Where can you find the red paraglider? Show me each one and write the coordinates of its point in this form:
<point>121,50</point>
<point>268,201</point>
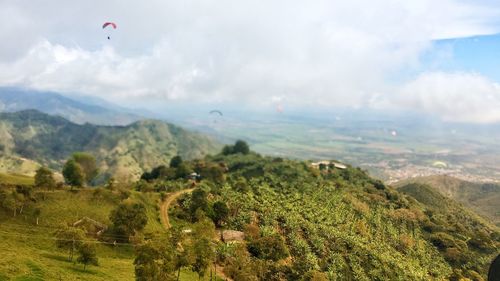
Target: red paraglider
<point>106,24</point>
<point>109,23</point>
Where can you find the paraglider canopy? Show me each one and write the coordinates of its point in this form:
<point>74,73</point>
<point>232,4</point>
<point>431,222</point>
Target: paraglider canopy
<point>109,23</point>
<point>216,112</point>
<point>106,24</point>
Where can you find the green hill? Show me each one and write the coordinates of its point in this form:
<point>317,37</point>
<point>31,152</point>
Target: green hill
<point>300,223</point>
<point>29,252</point>
<point>122,151</point>
<point>346,225</point>
<point>483,198</point>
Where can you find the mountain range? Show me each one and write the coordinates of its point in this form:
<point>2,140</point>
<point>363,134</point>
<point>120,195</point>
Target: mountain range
<point>31,138</point>
<point>78,110</point>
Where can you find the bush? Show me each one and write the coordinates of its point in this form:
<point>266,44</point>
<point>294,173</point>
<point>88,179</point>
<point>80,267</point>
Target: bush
<point>271,247</point>
<point>442,240</point>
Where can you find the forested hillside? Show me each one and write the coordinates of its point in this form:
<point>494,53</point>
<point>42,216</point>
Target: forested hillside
<point>28,138</point>
<point>301,223</point>
<point>483,198</point>
<point>247,217</point>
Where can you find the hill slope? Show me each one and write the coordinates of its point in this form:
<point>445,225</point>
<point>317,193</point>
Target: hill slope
<point>15,99</point>
<point>483,198</point>
<point>299,222</point>
<point>122,151</point>
<point>345,224</point>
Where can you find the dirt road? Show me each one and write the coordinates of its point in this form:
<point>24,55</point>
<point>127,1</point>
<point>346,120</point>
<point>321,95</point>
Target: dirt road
<point>165,205</point>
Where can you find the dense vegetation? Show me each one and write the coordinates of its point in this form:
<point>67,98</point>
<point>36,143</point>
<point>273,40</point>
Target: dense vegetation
<point>122,151</point>
<point>298,223</point>
<point>335,224</point>
<point>483,198</point>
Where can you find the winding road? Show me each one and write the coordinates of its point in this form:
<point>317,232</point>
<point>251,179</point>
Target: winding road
<point>165,205</point>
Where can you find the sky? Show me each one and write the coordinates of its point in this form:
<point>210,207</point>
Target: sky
<point>437,57</point>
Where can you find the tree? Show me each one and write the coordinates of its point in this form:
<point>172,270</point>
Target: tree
<point>88,164</point>
<point>161,171</point>
<point>241,147</point>
<point>73,173</point>
<point>146,267</point>
<point>240,266</point>
<point>214,173</point>
<point>44,178</point>
<point>9,203</point>
<point>69,238</point>
<point>227,150</point>
<point>182,171</point>
<point>128,218</point>
<point>183,253</point>
<point>175,161</point>
<point>271,247</point>
<point>198,201</point>
<point>220,213</point>
<point>156,260</point>
<point>203,250</point>
<point>87,255</point>
<point>15,200</point>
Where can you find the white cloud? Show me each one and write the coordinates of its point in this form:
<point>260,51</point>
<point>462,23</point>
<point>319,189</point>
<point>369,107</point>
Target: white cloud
<point>459,97</point>
<point>324,52</point>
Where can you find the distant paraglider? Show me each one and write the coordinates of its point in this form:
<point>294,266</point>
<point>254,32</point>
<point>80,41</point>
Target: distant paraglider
<point>106,24</point>
<point>216,112</point>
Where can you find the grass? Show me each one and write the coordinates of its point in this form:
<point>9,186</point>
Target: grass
<point>28,251</point>
<point>16,179</point>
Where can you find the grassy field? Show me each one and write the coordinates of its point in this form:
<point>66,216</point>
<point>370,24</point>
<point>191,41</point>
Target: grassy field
<point>15,179</point>
<point>28,250</point>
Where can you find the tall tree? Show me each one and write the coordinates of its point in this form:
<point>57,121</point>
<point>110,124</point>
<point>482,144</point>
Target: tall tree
<point>73,173</point>
<point>128,218</point>
<point>44,178</point>
<point>145,262</point>
<point>182,171</point>
<point>240,266</point>
<point>198,201</point>
<point>87,255</point>
<point>175,161</point>
<point>220,213</point>
<point>155,260</point>
<point>241,147</point>
<point>203,248</point>
<point>69,238</point>
<point>88,164</point>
